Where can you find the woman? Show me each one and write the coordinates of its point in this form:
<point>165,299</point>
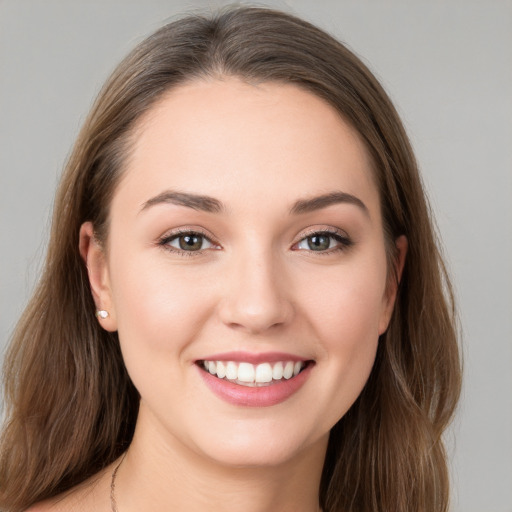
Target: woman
<point>243,303</point>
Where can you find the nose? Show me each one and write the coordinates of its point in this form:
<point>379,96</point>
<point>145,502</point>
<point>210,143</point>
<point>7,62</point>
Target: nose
<point>256,297</point>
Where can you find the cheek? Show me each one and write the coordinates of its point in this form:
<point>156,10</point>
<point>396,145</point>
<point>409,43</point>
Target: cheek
<point>347,324</point>
<point>347,303</point>
<point>155,303</point>
<point>344,314</point>
<point>160,311</point>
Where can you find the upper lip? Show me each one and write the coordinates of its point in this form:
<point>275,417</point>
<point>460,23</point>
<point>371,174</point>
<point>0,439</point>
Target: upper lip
<point>248,357</point>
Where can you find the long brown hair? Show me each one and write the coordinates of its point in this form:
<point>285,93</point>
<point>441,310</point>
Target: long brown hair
<point>70,406</point>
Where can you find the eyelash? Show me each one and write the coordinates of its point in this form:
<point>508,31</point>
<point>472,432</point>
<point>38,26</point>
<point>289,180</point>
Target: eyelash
<point>343,241</point>
<point>166,239</point>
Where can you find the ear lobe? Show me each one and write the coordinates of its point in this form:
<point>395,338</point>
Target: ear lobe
<point>401,245</point>
<point>97,269</point>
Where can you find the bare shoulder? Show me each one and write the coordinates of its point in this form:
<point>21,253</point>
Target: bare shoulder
<point>44,506</point>
<point>93,495</point>
<point>58,504</point>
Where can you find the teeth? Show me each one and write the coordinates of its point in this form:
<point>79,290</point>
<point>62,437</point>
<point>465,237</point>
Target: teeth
<point>221,369</point>
<point>246,372</point>
<point>277,371</point>
<point>288,370</point>
<point>231,371</point>
<point>249,374</point>
<point>263,373</point>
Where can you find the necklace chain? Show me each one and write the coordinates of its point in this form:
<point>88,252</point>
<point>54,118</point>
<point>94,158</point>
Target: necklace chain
<point>113,486</point>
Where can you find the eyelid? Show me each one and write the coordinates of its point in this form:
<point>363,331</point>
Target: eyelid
<point>321,230</point>
<point>341,236</point>
<point>164,240</point>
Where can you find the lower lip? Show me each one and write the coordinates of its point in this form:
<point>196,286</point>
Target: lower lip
<point>262,396</point>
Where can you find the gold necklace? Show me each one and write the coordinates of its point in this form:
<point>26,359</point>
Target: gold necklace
<point>113,486</point>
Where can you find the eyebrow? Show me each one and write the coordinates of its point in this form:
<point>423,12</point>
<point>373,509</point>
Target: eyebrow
<point>194,201</point>
<point>212,205</point>
<point>325,200</point>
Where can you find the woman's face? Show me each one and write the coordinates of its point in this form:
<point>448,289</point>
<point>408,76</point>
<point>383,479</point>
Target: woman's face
<point>245,244</point>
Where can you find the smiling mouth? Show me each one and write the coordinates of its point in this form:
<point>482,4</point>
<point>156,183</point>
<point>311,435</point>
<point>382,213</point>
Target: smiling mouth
<point>254,375</point>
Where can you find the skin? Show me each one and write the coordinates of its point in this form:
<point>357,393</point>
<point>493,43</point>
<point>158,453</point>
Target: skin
<point>256,285</point>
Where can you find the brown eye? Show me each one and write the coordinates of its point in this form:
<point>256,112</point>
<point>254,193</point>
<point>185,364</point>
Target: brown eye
<point>190,242</point>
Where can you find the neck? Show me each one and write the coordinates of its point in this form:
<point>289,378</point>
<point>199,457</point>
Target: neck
<point>160,473</point>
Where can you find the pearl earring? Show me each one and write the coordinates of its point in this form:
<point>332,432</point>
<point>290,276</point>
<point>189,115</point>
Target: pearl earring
<point>101,313</point>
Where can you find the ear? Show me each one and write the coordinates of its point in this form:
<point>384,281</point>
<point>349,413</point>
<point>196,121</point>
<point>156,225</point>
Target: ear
<point>401,245</point>
<point>97,269</point>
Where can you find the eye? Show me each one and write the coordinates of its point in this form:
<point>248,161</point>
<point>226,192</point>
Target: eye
<point>189,241</point>
<point>323,241</point>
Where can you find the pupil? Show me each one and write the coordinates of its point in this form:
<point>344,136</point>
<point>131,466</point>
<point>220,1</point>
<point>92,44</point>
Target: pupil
<point>318,242</point>
<point>190,242</point>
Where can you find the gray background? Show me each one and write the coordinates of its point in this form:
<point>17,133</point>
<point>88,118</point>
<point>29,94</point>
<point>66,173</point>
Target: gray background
<point>448,67</point>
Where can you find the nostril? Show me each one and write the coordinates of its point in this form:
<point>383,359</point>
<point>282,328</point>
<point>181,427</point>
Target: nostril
<point>252,315</point>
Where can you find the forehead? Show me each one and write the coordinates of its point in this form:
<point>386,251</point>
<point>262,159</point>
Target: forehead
<point>245,143</point>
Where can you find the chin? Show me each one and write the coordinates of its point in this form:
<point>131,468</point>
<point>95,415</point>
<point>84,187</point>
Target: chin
<point>260,449</point>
